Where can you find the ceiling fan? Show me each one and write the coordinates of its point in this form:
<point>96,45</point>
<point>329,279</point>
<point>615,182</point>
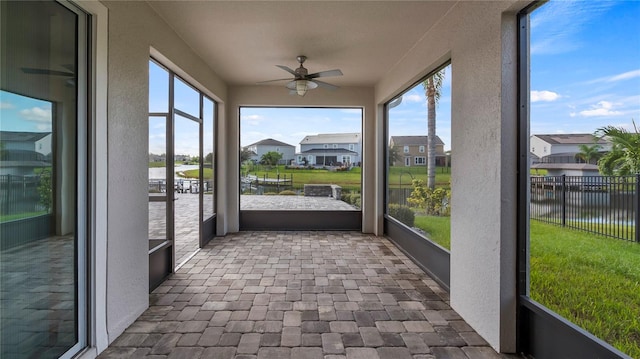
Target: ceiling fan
<point>70,82</point>
<point>303,80</point>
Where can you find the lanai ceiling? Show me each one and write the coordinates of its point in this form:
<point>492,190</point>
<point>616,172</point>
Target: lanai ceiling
<point>242,41</point>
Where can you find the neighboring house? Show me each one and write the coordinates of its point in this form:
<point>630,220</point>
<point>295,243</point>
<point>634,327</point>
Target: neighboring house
<point>563,148</point>
<point>412,151</point>
<point>22,152</point>
<point>156,158</point>
<point>331,149</point>
<point>270,145</point>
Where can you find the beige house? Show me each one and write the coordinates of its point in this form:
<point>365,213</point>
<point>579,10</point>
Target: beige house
<point>412,151</point>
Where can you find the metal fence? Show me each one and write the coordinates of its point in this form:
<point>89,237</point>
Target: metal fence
<point>19,194</point>
<point>606,205</point>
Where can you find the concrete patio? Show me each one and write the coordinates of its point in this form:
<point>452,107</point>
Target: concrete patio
<point>299,295</point>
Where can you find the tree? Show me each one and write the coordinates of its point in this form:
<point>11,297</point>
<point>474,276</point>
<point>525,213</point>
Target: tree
<point>245,154</point>
<point>588,153</point>
<point>271,158</point>
<point>209,158</point>
<point>394,155</point>
<point>624,157</point>
<point>432,87</point>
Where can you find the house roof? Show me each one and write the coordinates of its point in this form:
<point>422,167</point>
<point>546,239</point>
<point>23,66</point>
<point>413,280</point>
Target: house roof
<point>572,139</point>
<point>22,136</point>
<point>331,138</point>
<point>270,142</point>
<point>413,140</point>
<point>328,151</point>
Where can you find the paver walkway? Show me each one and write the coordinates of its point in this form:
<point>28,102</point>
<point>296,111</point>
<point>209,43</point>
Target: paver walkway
<point>324,295</point>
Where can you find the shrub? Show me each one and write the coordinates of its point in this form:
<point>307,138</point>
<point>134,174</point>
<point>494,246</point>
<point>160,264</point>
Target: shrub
<point>287,193</point>
<point>402,213</point>
<point>434,202</point>
<point>351,198</point>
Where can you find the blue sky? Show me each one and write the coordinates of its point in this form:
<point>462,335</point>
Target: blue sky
<point>291,125</point>
<point>585,74</point>
<point>585,66</point>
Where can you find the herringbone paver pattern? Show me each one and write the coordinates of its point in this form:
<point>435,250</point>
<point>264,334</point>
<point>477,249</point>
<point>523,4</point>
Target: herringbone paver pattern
<point>301,295</point>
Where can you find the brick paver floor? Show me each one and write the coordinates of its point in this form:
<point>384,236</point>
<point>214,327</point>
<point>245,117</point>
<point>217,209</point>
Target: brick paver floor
<point>280,295</point>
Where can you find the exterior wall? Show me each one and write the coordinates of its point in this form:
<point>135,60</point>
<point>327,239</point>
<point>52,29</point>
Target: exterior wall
<point>288,152</point>
<point>414,151</point>
<point>135,31</point>
<point>538,147</point>
<point>357,147</point>
<point>480,40</point>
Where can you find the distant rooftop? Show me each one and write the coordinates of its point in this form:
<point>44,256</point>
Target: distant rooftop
<point>571,139</point>
<point>413,140</point>
<point>331,138</point>
<point>270,142</point>
<point>22,136</point>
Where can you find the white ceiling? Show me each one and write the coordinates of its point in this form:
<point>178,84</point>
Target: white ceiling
<point>242,41</point>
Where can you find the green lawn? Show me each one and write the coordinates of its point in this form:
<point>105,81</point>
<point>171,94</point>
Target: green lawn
<point>591,280</point>
<point>443,175</point>
<point>13,217</point>
<point>438,229</point>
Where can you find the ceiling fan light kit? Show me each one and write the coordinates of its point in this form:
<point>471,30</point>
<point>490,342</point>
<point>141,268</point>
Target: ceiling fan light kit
<point>300,87</point>
<point>303,81</point>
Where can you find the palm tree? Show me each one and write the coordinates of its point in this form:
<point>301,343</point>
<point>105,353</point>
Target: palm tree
<point>588,153</point>
<point>624,158</point>
<point>432,87</point>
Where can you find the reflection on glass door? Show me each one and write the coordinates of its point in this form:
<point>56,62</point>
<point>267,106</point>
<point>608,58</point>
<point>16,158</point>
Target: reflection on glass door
<point>43,180</point>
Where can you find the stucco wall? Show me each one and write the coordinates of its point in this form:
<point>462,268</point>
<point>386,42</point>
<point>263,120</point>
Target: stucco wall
<point>133,30</point>
<point>480,40</point>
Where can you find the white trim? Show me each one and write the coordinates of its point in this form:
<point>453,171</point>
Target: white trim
<point>98,334</point>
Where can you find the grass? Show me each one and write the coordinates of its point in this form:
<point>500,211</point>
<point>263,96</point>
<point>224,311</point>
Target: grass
<point>13,217</point>
<point>591,280</point>
<point>443,175</point>
<point>438,229</point>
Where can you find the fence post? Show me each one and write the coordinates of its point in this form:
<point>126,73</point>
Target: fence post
<point>564,200</point>
<point>637,224</point>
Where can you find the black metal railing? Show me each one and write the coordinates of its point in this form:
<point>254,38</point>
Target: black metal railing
<point>606,205</point>
<point>19,194</point>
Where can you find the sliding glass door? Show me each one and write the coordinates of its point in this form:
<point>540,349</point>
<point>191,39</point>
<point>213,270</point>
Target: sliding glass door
<point>43,180</point>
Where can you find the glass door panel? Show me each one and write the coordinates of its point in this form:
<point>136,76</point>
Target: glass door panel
<point>186,151</point>
<point>42,181</point>
<point>158,185</point>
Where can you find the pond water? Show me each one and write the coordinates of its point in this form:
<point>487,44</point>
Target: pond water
<point>160,172</point>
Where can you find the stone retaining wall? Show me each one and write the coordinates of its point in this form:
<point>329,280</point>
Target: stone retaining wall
<point>323,190</point>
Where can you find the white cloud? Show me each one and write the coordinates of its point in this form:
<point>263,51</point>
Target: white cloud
<point>6,106</point>
<point>602,108</point>
<point>413,98</point>
<point>37,114</point>
<point>556,26</point>
<point>544,95</point>
<point>625,76</point>
<point>253,117</point>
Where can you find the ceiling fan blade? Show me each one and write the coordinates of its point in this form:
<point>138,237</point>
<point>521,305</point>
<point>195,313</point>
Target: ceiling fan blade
<point>287,69</point>
<point>326,85</point>
<point>29,70</point>
<point>264,82</point>
<point>328,73</point>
